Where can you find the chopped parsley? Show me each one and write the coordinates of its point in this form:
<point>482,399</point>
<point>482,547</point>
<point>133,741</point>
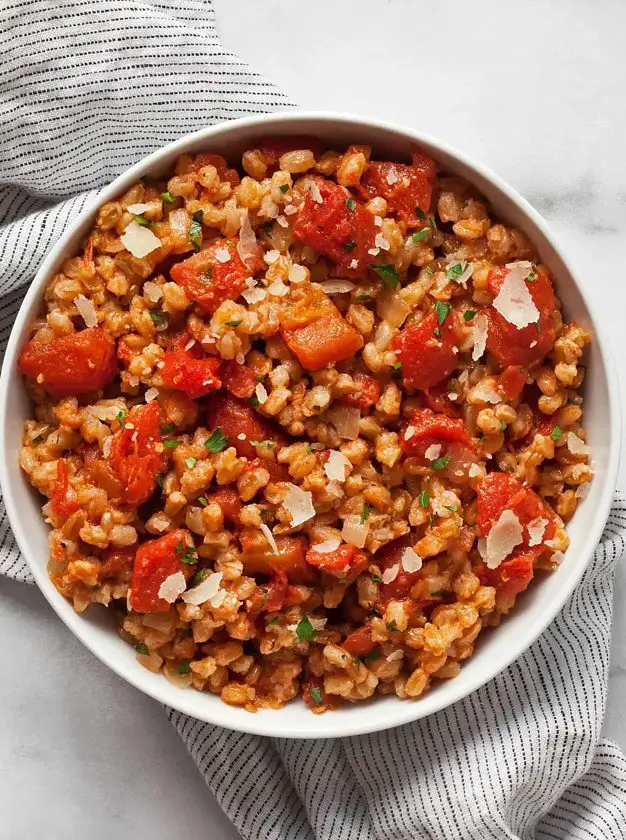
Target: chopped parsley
<point>420,234</point>
<point>190,463</point>
<point>264,444</point>
<point>143,649</point>
<point>172,444</point>
<point>351,204</point>
<point>397,365</point>
<point>531,277</point>
<point>37,439</point>
<point>167,430</point>
<point>121,414</point>
<point>502,425</point>
<point>420,213</point>
<point>440,463</point>
<point>159,319</point>
<point>453,508</point>
<point>234,323</point>
<point>391,625</point>
<point>442,310</point>
<point>376,579</point>
<point>349,246</point>
<point>433,224</point>
<point>309,448</point>
<point>253,402</point>
<point>199,576</point>
<point>431,520</point>
<point>186,553</point>
<point>184,668</point>
<point>159,480</point>
<point>556,433</point>
<point>283,188</point>
<point>316,695</point>
<point>195,229</point>
<point>424,499</point>
<point>388,274</point>
<point>367,509</point>
<point>469,315</point>
<point>362,297</point>
<point>305,631</point>
<point>203,501</point>
<point>167,197</point>
<point>454,271</point>
<point>141,220</point>
<point>272,622</point>
<point>217,441</point>
<point>375,654</point>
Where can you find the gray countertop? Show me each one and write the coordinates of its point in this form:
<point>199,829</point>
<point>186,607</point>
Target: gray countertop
<point>532,89</point>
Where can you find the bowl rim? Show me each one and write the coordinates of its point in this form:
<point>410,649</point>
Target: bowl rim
<point>220,714</point>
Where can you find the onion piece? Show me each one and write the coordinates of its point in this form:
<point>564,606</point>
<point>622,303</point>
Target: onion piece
<point>346,421</point>
<point>354,532</point>
<point>248,248</point>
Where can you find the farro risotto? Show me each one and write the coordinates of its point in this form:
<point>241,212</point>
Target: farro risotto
<point>304,426</point>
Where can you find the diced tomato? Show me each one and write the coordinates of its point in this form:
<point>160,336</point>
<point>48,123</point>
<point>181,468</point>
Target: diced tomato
<point>367,395</point>
<point>259,558</point>
<point>190,371</point>
<point>360,643</point>
<point>72,364</point>
<point>314,695</point>
<point>117,563</point>
<point>347,561</point>
<point>134,456</point>
<point>437,399</point>
<point>229,501</point>
<point>273,148</point>
<point>278,472</point>
<point>235,417</point>
<point>510,578</point>
<point>507,344</point>
<point>334,230</point>
<point>426,357</point>
<point>411,187</point>
<point>207,280</point>
<point>99,472</point>
<point>270,597</point>
<point>155,561</point>
<point>512,381</point>
<point>391,555</point>
<point>240,380</point>
<point>63,497</point>
<point>427,428</point>
<point>323,342</point>
<point>223,170</point>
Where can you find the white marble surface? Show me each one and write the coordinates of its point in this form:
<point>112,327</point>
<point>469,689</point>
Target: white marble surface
<point>533,88</point>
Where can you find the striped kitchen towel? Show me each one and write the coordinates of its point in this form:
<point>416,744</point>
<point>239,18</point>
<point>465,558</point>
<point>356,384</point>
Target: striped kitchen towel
<point>88,88</point>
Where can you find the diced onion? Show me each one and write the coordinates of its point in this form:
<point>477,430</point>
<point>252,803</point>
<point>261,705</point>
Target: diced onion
<point>335,286</point>
<point>354,531</point>
<point>86,310</point>
<point>346,421</point>
<point>248,248</point>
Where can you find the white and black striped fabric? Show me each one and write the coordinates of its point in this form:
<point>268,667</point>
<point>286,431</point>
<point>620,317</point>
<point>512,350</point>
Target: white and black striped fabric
<point>88,88</point>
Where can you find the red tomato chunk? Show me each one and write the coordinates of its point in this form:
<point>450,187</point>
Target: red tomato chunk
<point>72,364</point>
<point>155,561</point>
<point>208,281</point>
<point>259,558</point>
<point>134,455</point>
<point>345,562</point>
<point>223,170</point>
<point>190,371</point>
<point>360,643</point>
<point>403,187</point>
<point>62,495</point>
<point>427,428</point>
<point>425,356</point>
<point>235,417</point>
<point>367,395</point>
<point>240,380</point>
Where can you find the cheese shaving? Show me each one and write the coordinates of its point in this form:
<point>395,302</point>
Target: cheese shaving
<point>247,247</point>
<point>139,240</point>
<point>297,274</point>
<point>137,209</point>
<point>152,291</point>
<point>278,288</point>
<point>409,432</point>
<point>151,394</point>
<point>575,445</point>
<point>411,562</point>
<point>261,393</point>
<point>475,470</point>
<point>223,255</point>
<point>479,336</point>
<point>271,257</point>
<point>381,241</point>
<point>536,529</point>
<point>204,591</point>
<point>317,623</point>
<point>466,273</point>
<point>269,537</point>
<point>327,546</point>
<point>486,392</point>
<point>172,587</point>
<point>218,599</point>
<point>254,295</point>
<point>392,177</point>
<point>315,193</point>
<point>354,264</point>
<point>504,536</point>
<point>390,574</point>
<point>346,421</point>
<point>299,505</point>
<point>106,446</point>
<point>582,491</point>
<point>336,287</point>
<point>433,451</point>
<point>86,310</point>
<point>282,221</point>
<point>514,301</point>
<point>378,221</point>
<point>336,466</point>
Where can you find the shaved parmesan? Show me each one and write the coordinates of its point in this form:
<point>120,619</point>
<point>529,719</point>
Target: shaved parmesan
<point>346,421</point>
<point>524,267</point>
<point>411,562</point>
<point>297,274</point>
<point>582,491</point>
<point>269,537</point>
<point>299,505</point>
<point>278,288</point>
<point>271,257</point>
<point>514,301</point>
<point>409,432</point>
<point>223,255</point>
<point>218,599</point>
<point>433,451</point>
<point>333,488</point>
<point>479,336</point>
<point>317,623</point>
<point>557,558</point>
<point>282,221</point>
<point>392,176</point>
<point>327,546</point>
<point>136,209</point>
<point>139,240</point>
<point>106,447</point>
<point>354,531</point>
<point>486,392</point>
<point>354,264</point>
<point>378,221</point>
<point>536,529</point>
<point>315,193</point>
<point>395,655</point>
<point>381,241</point>
<point>86,310</point>
<point>253,295</point>
<point>204,591</point>
<point>390,574</point>
<point>261,393</point>
<point>290,210</point>
<point>248,248</point>
<point>172,587</point>
<point>373,251</point>
<point>475,470</point>
<point>505,535</point>
<point>152,291</point>
<point>336,287</point>
<point>151,394</point>
<point>575,445</point>
<point>336,466</point>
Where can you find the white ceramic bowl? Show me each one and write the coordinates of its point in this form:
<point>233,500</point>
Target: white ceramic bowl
<point>535,609</point>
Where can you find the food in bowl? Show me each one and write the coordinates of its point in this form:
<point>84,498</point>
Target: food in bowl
<point>306,426</point>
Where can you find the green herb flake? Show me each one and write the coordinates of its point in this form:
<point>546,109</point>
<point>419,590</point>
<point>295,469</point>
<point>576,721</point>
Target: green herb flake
<point>424,499</point>
<point>264,444</point>
<point>376,579</point>
<point>167,430</point>
<point>531,277</point>
<point>203,501</point>
<point>316,695</point>
<point>367,509</point>
<point>159,480</point>
<point>195,232</point>
<point>556,433</point>
<point>442,310</point>
<point>184,668</point>
<point>199,576</point>
<point>142,649</point>
<point>388,274</point>
<point>375,654</point>
<point>217,441</point>
<point>272,622</point>
<point>391,626</point>
<point>440,463</point>
<point>454,271</point>
<point>363,297</point>
<point>190,463</point>
<point>469,315</point>
<point>431,520</point>
<point>305,631</point>
<point>141,220</point>
<point>171,444</point>
<point>420,213</point>
<point>420,234</point>
<point>351,204</point>
<point>234,323</point>
<point>438,593</point>
<point>502,425</point>
<point>309,448</point>
<point>253,402</point>
<point>159,319</point>
<point>167,198</point>
<point>120,416</point>
<point>37,439</point>
<point>452,508</point>
<point>283,188</point>
<point>349,246</point>
<point>186,553</point>
<point>433,224</point>
<point>397,365</point>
